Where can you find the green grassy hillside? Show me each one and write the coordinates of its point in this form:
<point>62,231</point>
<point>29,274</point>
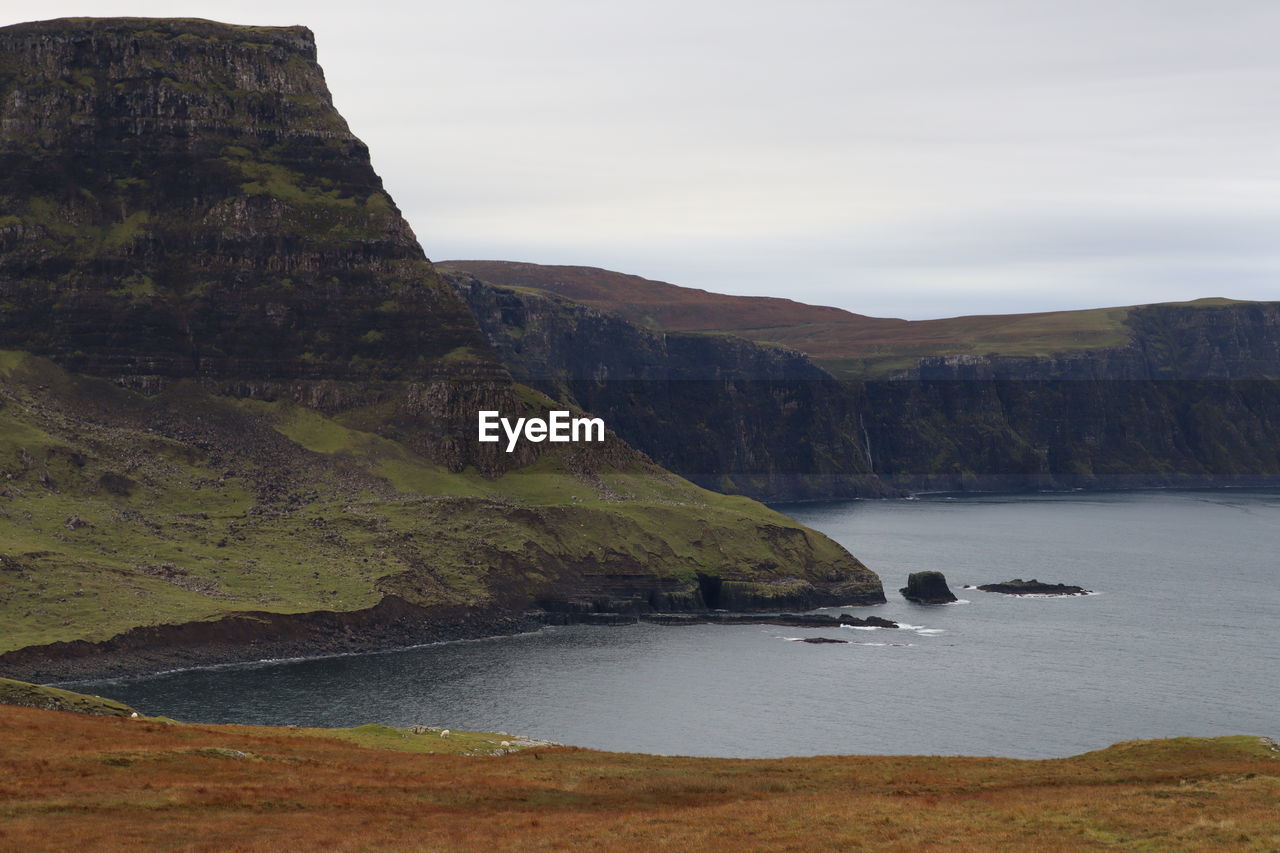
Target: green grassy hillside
<point>119,510</point>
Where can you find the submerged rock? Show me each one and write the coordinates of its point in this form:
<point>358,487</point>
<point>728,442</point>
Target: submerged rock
<point>927,588</point>
<point>822,640</point>
<point>1018,586</point>
<point>788,620</point>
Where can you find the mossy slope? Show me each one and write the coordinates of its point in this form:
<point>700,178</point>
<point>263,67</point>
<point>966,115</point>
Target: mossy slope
<point>119,510</point>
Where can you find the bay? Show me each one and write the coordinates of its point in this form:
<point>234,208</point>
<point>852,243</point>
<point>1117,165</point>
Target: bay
<point>1181,638</point>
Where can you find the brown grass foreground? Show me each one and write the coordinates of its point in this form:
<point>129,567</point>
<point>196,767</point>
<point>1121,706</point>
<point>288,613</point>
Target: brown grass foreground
<point>73,782</point>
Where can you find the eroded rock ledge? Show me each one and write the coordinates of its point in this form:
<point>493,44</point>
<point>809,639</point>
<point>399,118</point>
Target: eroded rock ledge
<point>1018,586</point>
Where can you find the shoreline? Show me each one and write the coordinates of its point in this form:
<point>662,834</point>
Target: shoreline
<point>1269,484</point>
<point>392,625</point>
<point>253,637</point>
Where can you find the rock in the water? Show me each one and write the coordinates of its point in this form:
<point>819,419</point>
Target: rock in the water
<point>1018,586</point>
<point>822,640</point>
<point>790,620</point>
<point>927,588</point>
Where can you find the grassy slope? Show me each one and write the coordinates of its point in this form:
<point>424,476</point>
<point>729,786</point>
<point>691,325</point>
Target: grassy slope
<point>28,695</point>
<point>75,782</point>
<point>108,522</point>
<point>850,345</point>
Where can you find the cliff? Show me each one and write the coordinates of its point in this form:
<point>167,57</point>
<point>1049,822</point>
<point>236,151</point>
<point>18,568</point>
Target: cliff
<point>238,402</point>
<point>728,414</point>
<point>1181,395</point>
<point>1191,399</point>
<point>1208,339</point>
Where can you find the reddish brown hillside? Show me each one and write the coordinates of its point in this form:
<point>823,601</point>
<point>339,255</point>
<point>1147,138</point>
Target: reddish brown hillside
<point>848,343</point>
<point>661,305</point>
<point>72,782</point>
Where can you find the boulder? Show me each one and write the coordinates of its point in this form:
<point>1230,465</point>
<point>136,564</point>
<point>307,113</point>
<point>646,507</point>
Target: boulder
<point>927,588</point>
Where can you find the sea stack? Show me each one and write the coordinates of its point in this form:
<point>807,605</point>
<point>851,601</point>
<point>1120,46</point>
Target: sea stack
<point>927,588</point>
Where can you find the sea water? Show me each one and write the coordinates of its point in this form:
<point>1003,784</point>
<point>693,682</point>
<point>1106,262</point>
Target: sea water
<point>1182,637</point>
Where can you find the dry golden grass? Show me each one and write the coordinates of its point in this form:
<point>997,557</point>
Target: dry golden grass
<point>73,782</point>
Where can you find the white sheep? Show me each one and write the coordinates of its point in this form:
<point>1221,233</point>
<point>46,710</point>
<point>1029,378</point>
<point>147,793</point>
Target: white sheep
<point>444,733</point>
<point>506,744</point>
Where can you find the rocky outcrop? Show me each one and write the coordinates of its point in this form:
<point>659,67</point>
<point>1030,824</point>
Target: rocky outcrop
<point>927,588</point>
<point>1018,586</point>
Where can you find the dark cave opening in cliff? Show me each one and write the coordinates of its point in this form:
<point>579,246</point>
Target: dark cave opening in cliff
<point>709,586</point>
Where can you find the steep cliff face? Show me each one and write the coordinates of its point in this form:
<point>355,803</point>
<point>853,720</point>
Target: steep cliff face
<point>182,199</point>
<point>231,382</point>
<point>727,413</point>
<point>1194,341</point>
<point>1057,434</point>
<point>1187,397</point>
<point>1192,399</point>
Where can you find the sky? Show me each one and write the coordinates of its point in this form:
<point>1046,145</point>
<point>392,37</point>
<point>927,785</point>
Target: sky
<point>908,158</point>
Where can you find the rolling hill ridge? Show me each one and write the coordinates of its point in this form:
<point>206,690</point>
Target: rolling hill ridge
<point>1095,343</point>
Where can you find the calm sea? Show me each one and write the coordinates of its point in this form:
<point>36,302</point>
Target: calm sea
<point>1182,638</point>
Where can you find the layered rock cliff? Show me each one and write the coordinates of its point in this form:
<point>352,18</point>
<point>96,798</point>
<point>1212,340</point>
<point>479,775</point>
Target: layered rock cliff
<point>1192,399</point>
<point>1189,398</point>
<point>1191,341</point>
<point>232,383</point>
<point>729,414</point>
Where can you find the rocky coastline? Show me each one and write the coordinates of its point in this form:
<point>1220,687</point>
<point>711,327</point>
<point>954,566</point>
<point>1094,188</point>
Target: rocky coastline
<point>390,625</point>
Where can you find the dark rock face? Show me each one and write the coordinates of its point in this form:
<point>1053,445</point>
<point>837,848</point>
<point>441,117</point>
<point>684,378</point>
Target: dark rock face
<point>726,413</point>
<point>1193,400</point>
<point>181,200</point>
<point>961,435</point>
<point>927,588</point>
<point>1184,342</point>
<point>1032,587</point>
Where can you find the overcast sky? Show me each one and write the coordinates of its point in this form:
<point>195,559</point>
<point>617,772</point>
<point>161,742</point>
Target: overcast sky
<point>911,158</point>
